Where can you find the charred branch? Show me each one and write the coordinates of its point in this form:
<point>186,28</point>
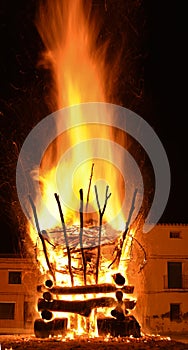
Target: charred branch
<point>41,237</point>
<point>81,235</point>
<point>119,249</point>
<point>144,252</point>
<point>65,237</point>
<point>89,187</point>
<point>101,213</point>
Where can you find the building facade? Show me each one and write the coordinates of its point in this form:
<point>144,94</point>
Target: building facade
<point>18,281</point>
<point>161,283</point>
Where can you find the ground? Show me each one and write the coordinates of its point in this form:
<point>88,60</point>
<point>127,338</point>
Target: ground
<point>9,342</point>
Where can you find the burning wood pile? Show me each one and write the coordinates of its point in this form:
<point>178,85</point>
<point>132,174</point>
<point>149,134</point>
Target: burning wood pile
<point>121,324</point>
<point>99,308</point>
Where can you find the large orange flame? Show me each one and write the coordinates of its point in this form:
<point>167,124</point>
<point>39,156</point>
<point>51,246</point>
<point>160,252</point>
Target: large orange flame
<point>79,74</point>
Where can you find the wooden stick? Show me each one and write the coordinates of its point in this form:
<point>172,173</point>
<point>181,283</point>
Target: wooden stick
<point>88,289</point>
<point>81,234</point>
<point>41,237</point>
<point>145,255</point>
<point>119,250</point>
<point>65,236</point>
<point>101,213</point>
<point>130,215</point>
<point>89,187</point>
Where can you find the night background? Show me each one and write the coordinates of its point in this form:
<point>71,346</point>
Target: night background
<point>151,82</point>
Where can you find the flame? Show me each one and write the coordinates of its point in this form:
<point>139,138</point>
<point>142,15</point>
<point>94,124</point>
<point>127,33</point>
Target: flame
<point>79,74</point>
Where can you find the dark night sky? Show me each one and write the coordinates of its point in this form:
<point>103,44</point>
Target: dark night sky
<point>23,88</point>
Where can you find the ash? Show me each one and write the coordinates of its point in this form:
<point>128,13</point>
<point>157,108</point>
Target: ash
<point>13,342</point>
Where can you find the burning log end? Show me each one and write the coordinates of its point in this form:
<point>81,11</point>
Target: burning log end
<point>47,296</point>
<point>119,279</point>
<point>119,295</point>
<point>46,315</point>
<point>49,283</point>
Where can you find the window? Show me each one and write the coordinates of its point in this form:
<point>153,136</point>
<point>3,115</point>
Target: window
<point>175,234</point>
<point>174,312</point>
<point>15,277</point>
<point>174,275</point>
<point>7,311</point>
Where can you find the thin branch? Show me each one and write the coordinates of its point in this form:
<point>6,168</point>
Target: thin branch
<point>81,234</point>
<point>65,236</point>
<point>130,215</point>
<point>101,213</point>
<point>119,250</point>
<point>41,237</point>
<point>145,255</point>
<point>89,187</point>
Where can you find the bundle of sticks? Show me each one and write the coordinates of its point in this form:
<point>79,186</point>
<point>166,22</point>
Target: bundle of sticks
<point>71,239</point>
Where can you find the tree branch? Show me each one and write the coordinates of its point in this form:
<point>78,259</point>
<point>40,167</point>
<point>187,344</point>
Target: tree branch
<point>41,237</point>
<point>89,187</point>
<point>119,249</point>
<point>101,213</point>
<point>65,236</point>
<point>81,234</point>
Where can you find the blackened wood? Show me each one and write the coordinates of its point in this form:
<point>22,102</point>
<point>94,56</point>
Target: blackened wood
<point>65,236</point>
<point>119,250</point>
<point>41,237</point>
<point>119,279</point>
<point>81,234</point>
<point>46,315</point>
<point>101,213</point>
<point>89,187</point>
<point>47,296</point>
<point>109,325</point>
<point>55,327</point>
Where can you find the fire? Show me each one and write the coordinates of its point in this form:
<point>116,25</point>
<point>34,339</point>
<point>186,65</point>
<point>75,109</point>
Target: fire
<point>79,74</point>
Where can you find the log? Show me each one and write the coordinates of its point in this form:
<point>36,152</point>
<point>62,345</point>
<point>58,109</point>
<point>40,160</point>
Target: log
<point>82,307</point>
<point>43,329</point>
<point>89,289</point>
<point>109,325</point>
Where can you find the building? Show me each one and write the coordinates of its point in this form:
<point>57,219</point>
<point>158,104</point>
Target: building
<point>18,278</point>
<point>161,284</point>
